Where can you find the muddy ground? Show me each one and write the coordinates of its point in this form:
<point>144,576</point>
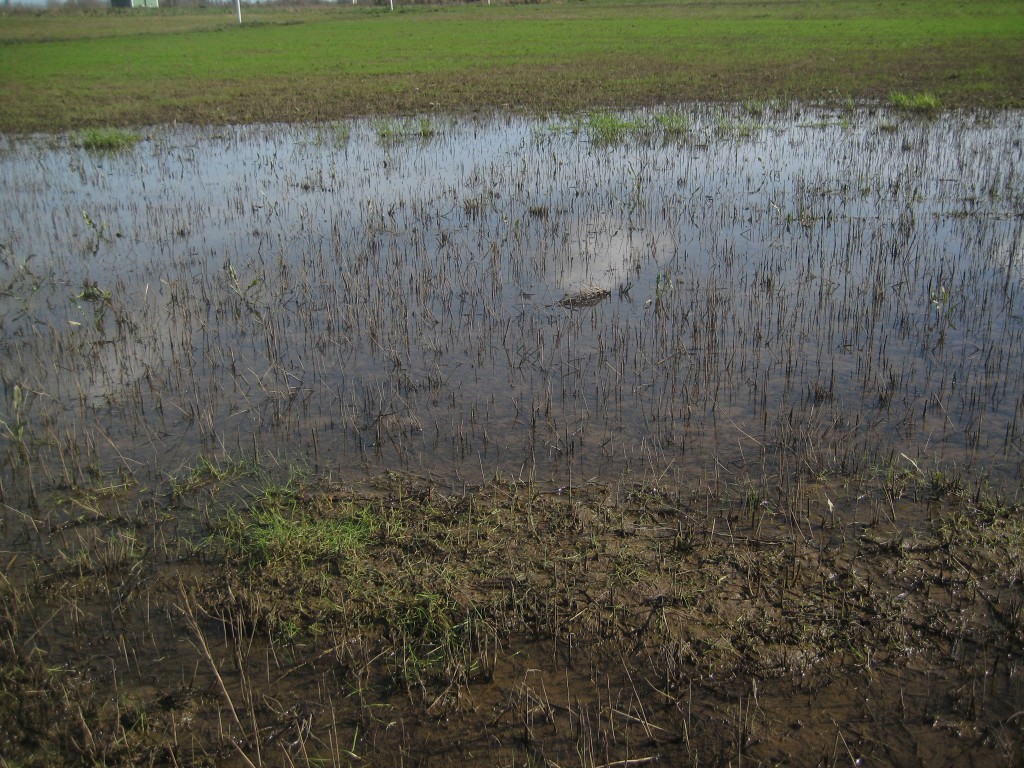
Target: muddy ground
<point>242,616</point>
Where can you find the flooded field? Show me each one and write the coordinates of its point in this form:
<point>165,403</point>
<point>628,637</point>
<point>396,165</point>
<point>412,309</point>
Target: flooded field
<point>807,290</point>
<point>744,384</point>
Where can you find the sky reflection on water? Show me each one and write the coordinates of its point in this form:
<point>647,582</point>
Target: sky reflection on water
<point>799,291</point>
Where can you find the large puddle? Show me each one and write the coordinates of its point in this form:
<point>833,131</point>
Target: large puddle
<point>767,292</point>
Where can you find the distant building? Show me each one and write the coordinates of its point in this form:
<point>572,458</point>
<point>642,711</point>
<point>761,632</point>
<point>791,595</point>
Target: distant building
<point>134,3</point>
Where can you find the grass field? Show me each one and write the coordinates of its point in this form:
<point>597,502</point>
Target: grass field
<point>64,69</point>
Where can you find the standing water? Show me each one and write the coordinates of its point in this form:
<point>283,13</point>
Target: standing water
<point>784,291</point>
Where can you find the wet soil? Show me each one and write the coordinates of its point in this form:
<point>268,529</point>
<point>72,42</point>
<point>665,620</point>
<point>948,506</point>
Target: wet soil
<point>297,620</point>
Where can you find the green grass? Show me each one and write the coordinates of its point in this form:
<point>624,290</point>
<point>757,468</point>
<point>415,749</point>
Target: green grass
<point>311,563</point>
<point>278,534</point>
<point>108,139</point>
<point>924,103</point>
<point>60,71</point>
<point>398,131</point>
<point>604,128</point>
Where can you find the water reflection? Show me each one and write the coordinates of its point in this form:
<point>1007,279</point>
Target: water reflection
<point>803,291</point>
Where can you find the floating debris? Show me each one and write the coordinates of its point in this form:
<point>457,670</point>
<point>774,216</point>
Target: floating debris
<point>585,297</point>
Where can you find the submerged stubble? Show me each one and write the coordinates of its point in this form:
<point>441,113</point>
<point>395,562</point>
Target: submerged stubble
<point>805,290</point>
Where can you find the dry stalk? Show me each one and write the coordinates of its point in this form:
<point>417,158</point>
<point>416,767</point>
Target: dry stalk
<point>189,612</point>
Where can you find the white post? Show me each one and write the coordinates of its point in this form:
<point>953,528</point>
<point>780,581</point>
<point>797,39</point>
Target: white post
<point>238,7</point>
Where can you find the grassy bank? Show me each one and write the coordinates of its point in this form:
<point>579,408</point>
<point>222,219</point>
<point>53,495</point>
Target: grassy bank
<point>65,70</point>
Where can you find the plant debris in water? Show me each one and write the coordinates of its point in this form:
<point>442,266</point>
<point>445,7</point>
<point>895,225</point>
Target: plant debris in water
<point>585,297</point>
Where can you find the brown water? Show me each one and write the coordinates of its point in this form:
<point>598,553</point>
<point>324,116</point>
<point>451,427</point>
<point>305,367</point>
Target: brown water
<point>789,290</point>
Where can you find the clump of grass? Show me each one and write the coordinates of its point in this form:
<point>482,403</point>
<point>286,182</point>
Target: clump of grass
<point>278,533</point>
<point>673,125</point>
<point>92,292</point>
<point>920,103</point>
<point>108,140</point>
<point>112,552</point>
<point>208,472</point>
<point>306,562</point>
<point>609,128</point>
<point>612,128</point>
<point>408,129</point>
<point>15,429</point>
<point>342,134</point>
<point>755,108</point>
<point>728,125</point>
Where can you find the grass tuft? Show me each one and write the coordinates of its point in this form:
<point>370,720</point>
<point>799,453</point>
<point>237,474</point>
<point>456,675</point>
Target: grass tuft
<point>399,131</point>
<point>108,140</point>
<point>608,128</point>
<point>920,103</point>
